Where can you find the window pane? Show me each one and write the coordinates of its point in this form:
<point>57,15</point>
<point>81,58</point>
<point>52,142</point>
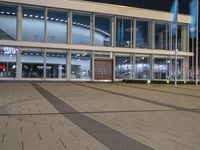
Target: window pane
<point>8,62</point>
<point>160,68</point>
<point>123,33</point>
<point>32,63</point>
<point>8,22</point>
<point>57,27</point>
<point>161,36</point>
<point>142,67</point>
<point>80,66</point>
<point>56,64</point>
<point>33,25</point>
<point>81,30</point>
<point>123,67</point>
<point>102,34</point>
<point>142,34</point>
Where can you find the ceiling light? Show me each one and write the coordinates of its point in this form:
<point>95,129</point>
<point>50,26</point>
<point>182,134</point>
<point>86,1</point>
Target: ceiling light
<point>65,20</point>
<point>31,15</point>
<point>57,19</point>
<point>2,12</point>
<point>41,17</point>
<point>13,13</point>
<point>8,13</point>
<point>25,15</point>
<point>36,16</point>
<point>52,18</point>
<point>61,20</point>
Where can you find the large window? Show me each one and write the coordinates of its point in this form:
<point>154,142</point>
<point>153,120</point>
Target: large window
<point>142,67</point>
<point>32,63</point>
<point>80,66</point>
<point>57,27</point>
<point>142,34</point>
<point>161,68</point>
<point>8,62</point>
<point>33,24</point>
<point>102,34</point>
<point>8,22</point>
<point>123,33</point>
<point>81,29</point>
<point>56,64</point>
<point>161,36</point>
<point>123,67</point>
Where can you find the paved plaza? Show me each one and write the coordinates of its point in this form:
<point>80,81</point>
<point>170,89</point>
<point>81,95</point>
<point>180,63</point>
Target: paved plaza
<point>98,116</point>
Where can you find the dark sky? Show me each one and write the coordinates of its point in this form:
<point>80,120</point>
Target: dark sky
<point>163,5</point>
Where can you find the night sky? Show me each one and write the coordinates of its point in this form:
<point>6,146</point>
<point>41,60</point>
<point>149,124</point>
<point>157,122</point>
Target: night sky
<point>163,5</point>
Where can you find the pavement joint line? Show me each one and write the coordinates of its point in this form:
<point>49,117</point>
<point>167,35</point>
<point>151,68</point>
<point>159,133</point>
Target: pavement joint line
<point>139,99</point>
<point>181,143</point>
<point>3,138</point>
<point>22,145</point>
<point>161,91</point>
<point>99,112</point>
<point>72,133</point>
<point>102,133</point>
<point>61,141</point>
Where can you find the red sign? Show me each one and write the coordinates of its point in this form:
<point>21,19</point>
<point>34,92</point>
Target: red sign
<point>2,67</point>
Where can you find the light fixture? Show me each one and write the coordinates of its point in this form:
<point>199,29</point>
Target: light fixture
<point>36,16</point>
<point>8,13</point>
<point>47,18</point>
<point>65,20</point>
<point>52,18</point>
<point>61,20</point>
<point>2,12</point>
<point>41,17</point>
<point>30,15</point>
<point>13,13</point>
<point>57,19</point>
<point>25,15</point>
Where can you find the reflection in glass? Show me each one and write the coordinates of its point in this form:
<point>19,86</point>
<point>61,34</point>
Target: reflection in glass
<point>56,64</point>
<point>160,68</point>
<point>32,64</point>
<point>8,62</point>
<point>142,34</point>
<point>161,36</point>
<point>33,25</point>
<point>102,33</point>
<point>80,66</point>
<point>123,33</point>
<point>8,22</point>
<point>123,67</point>
<point>57,27</point>
<point>179,69</point>
<point>81,29</point>
<point>142,67</point>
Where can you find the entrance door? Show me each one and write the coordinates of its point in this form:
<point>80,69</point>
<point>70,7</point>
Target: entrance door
<point>103,69</point>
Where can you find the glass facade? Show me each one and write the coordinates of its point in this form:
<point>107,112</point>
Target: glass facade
<point>33,24</point>
<point>28,23</point>
<point>142,34</point>
<point>123,33</point>
<point>142,67</point>
<point>32,63</point>
<point>8,62</point>
<point>8,22</point>
<point>81,29</point>
<point>56,64</point>
<point>57,27</point>
<point>161,36</point>
<point>102,33</point>
<point>80,65</point>
<point>123,67</point>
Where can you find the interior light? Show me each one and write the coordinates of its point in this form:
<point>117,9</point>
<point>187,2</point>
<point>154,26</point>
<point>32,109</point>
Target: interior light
<point>25,15</point>
<point>8,13</point>
<point>2,12</point>
<point>57,19</point>
<point>61,20</point>
<point>52,18</point>
<point>65,20</point>
<point>31,15</point>
<point>13,13</point>
<point>36,16</point>
<point>47,17</point>
<point>41,17</point>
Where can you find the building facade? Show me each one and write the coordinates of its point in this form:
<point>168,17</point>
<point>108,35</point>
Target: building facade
<point>79,40</point>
